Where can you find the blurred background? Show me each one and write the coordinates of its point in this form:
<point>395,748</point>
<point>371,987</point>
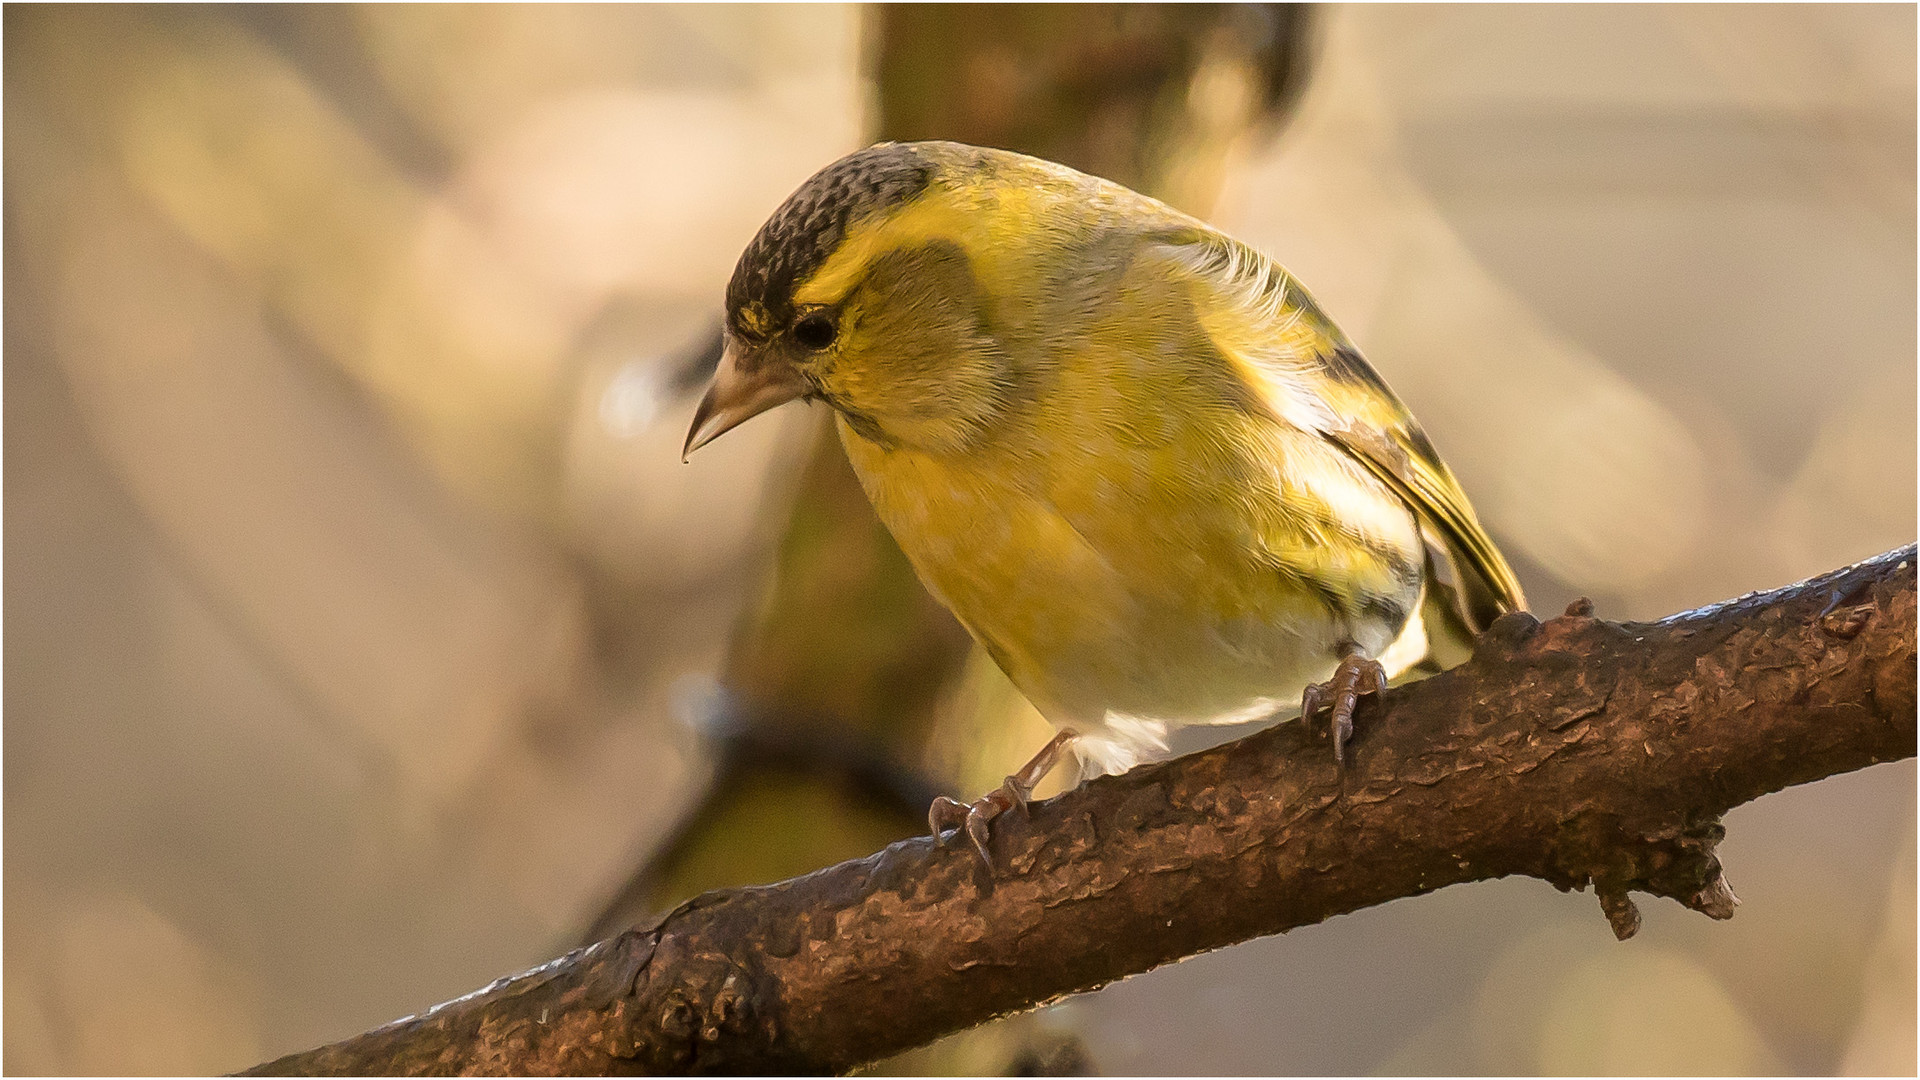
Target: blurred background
<point>366,638</point>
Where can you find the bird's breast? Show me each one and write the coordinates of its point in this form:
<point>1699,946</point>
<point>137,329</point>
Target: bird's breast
<point>1115,561</point>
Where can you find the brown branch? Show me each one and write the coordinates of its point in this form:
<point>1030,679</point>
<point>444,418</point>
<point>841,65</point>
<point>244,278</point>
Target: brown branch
<point>1576,750</point>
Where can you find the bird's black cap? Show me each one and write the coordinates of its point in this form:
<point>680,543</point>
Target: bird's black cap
<point>813,221</point>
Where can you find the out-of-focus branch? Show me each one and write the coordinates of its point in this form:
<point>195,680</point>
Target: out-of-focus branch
<point>1578,751</point>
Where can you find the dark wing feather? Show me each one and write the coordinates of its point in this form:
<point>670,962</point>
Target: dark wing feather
<point>1403,458</point>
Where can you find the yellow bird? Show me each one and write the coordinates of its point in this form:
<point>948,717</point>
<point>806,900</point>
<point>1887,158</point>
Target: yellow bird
<point>1132,455</point>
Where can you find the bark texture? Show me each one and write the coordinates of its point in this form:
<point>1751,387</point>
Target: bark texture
<point>1577,750</point>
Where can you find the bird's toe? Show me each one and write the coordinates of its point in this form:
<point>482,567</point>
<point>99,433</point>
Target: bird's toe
<point>1356,674</point>
<point>975,818</point>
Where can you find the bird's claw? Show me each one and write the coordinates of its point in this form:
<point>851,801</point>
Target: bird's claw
<point>1356,675</point>
<point>975,816</point>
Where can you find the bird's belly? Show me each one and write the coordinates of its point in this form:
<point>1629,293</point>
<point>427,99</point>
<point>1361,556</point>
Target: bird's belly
<point>1087,642</point>
<point>1166,615</point>
<point>1181,664</point>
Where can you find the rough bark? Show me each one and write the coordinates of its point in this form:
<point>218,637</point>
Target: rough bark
<point>1577,750</point>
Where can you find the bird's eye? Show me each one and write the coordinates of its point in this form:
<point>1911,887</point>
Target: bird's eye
<point>815,331</point>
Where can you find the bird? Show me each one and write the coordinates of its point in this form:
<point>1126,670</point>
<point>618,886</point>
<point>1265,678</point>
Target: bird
<point>1132,455</point>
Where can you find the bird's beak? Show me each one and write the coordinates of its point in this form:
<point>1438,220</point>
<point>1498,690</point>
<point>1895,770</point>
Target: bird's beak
<point>744,387</point>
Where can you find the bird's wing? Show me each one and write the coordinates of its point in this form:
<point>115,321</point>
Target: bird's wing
<point>1303,368</point>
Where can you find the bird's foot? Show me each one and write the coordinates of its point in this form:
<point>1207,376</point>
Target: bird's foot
<point>946,813</point>
<point>975,816</point>
<point>1356,675</point>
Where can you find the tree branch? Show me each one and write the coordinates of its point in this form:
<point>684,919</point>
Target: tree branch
<point>1577,751</point>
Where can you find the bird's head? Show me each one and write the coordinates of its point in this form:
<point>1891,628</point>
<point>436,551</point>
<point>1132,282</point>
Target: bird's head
<point>882,287</point>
